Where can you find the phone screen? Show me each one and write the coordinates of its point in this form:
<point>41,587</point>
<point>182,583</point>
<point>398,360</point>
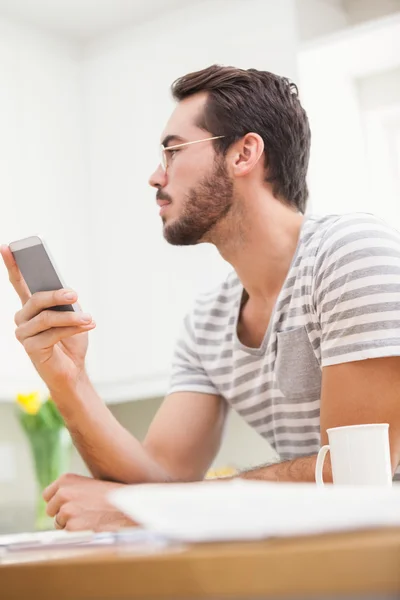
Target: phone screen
<point>38,271</point>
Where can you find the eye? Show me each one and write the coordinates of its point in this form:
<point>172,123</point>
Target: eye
<point>173,152</point>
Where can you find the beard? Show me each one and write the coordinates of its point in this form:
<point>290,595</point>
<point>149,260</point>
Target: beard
<point>205,206</point>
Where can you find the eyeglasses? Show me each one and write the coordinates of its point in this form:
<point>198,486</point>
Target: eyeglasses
<point>164,150</point>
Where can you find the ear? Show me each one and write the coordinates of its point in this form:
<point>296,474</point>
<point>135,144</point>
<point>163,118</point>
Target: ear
<point>247,153</point>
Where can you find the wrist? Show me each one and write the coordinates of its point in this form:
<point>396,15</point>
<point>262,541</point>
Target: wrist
<point>70,392</point>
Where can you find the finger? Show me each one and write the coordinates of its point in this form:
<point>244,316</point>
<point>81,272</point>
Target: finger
<point>51,489</point>
<point>50,319</point>
<point>55,503</point>
<point>14,274</point>
<point>65,480</point>
<point>48,339</point>
<point>59,522</point>
<point>77,524</point>
<point>43,300</point>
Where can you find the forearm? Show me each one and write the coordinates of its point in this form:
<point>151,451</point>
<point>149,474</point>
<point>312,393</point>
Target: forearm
<point>296,471</point>
<point>108,449</point>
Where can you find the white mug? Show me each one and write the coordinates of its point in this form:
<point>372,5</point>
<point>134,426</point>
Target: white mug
<point>360,455</point>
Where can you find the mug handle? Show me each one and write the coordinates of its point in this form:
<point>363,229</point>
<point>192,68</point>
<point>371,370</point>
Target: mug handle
<point>320,464</point>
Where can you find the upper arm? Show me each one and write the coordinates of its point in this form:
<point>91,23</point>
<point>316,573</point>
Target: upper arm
<point>366,391</point>
<point>186,433</point>
<point>187,430</point>
<point>357,297</point>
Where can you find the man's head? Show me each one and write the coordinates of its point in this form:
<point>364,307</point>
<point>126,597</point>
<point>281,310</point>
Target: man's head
<point>261,136</point>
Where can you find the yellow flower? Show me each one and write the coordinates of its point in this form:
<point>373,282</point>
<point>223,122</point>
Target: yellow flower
<point>30,403</point>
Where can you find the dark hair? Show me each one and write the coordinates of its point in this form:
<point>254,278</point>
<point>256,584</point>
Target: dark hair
<point>242,101</point>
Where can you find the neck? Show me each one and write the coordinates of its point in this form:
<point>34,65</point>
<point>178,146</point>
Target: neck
<point>260,245</point>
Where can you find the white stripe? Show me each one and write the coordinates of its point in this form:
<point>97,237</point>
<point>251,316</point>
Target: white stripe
<point>297,437</point>
<point>289,422</point>
<point>256,382</point>
<point>366,263</point>
<point>211,320</point>
<point>358,284</point>
<point>378,317</point>
<point>358,245</point>
<point>278,408</point>
<point>359,302</point>
<point>368,336</point>
<point>372,227</point>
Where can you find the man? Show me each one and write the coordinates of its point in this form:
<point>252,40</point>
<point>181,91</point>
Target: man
<point>302,336</point>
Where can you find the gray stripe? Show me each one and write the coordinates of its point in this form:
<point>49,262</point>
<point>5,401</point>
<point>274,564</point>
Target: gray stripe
<point>295,294</point>
<point>306,414</point>
<point>361,328</point>
<point>211,342</point>
<point>355,236</point>
<point>220,371</point>
<point>362,347</point>
<point>345,221</point>
<point>354,256</point>
<point>233,282</point>
<point>316,343</point>
<point>189,329</point>
<point>298,443</point>
<point>214,312</point>
<point>246,360</point>
<point>179,358</point>
<point>289,282</point>
<point>216,298</point>
<point>298,311</point>
<point>369,290</point>
<point>357,274</point>
<point>183,346</point>
<point>247,377</point>
<point>260,389</point>
<point>358,311</point>
<point>308,235</point>
<point>227,353</point>
<point>297,454</point>
<point>300,429</point>
<point>212,327</point>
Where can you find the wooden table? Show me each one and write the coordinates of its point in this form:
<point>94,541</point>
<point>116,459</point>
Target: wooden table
<point>361,563</point>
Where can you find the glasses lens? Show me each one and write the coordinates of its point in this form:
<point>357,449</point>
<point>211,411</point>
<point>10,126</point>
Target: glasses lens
<point>163,160</point>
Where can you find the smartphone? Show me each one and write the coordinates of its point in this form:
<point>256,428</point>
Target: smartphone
<point>38,269</point>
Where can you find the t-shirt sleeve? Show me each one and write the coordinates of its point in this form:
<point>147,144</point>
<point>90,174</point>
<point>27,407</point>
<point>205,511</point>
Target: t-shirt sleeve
<point>188,374</point>
<point>357,291</point>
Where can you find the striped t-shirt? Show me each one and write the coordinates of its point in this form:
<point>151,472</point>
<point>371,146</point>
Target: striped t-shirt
<point>340,302</point>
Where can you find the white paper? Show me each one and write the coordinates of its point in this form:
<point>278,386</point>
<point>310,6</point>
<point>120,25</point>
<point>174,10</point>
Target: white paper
<point>44,537</point>
<point>246,510</point>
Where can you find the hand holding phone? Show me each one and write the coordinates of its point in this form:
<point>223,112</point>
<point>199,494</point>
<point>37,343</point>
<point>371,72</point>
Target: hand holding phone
<point>50,325</point>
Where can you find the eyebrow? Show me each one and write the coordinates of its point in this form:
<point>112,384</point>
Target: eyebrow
<point>170,138</point>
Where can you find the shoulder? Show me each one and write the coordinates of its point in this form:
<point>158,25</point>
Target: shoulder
<point>211,310</point>
<point>356,232</point>
<point>355,238</point>
<point>220,299</point>
<point>358,255</point>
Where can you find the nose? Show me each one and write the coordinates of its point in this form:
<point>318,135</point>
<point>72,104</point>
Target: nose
<point>158,178</point>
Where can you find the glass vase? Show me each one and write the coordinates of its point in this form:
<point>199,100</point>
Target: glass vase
<point>51,451</point>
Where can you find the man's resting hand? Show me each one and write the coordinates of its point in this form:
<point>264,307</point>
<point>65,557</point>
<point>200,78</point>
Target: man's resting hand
<point>78,503</point>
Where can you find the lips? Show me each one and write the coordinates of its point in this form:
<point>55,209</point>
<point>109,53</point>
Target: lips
<point>162,203</point>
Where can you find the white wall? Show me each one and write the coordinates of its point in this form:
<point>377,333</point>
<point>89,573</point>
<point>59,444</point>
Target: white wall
<point>364,10</point>
<point>337,73</point>
<point>380,89</point>
<point>43,189</point>
<point>43,170</point>
<point>317,18</point>
<point>143,286</point>
<point>80,144</point>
